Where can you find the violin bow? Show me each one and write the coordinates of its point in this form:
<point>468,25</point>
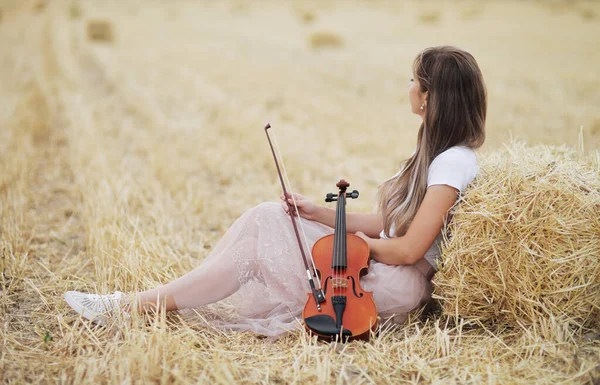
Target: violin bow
<point>317,291</point>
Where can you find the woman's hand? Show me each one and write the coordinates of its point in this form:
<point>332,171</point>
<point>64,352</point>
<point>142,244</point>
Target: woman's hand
<point>306,208</point>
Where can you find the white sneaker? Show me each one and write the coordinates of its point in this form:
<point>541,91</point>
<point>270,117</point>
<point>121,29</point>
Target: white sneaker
<point>96,307</point>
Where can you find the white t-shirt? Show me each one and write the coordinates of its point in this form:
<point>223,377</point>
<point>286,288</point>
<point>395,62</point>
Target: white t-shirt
<point>455,167</point>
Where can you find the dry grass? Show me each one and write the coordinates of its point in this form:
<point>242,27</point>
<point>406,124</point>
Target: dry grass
<point>122,164</point>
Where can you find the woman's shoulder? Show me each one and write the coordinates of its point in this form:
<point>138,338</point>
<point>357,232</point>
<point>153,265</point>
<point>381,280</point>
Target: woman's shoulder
<point>457,154</point>
<point>456,166</point>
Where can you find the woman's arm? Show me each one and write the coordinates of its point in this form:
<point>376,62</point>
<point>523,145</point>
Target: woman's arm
<point>421,233</point>
<point>370,224</point>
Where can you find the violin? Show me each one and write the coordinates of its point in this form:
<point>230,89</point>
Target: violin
<point>348,311</point>
<point>339,309</point>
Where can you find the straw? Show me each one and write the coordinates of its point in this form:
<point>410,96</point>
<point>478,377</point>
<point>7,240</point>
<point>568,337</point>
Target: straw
<point>525,240</point>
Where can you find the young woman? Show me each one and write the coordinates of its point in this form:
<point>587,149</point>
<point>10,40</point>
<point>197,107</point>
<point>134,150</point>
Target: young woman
<point>257,264</point>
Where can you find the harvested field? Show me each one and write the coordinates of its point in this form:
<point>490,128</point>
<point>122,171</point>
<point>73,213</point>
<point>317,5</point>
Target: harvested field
<point>123,160</point>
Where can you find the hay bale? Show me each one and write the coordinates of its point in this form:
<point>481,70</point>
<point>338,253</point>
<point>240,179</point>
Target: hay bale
<point>525,241</point>
<point>100,31</point>
<point>471,11</point>
<point>588,14</point>
<point>595,127</point>
<point>307,16</point>
<point>39,6</point>
<point>320,40</point>
<point>430,17</point>
<point>75,11</point>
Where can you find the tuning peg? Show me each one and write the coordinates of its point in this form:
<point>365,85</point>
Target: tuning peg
<point>331,197</point>
<point>353,194</point>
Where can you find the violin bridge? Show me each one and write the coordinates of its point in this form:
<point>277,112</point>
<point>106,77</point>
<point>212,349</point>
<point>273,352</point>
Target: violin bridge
<point>337,283</point>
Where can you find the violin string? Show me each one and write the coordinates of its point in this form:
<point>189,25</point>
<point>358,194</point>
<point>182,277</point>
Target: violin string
<point>336,248</point>
<point>345,243</point>
<point>341,246</point>
<point>342,236</point>
<point>334,256</point>
<point>287,181</point>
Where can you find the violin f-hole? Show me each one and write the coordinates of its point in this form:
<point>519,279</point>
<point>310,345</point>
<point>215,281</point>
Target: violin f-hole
<point>354,287</point>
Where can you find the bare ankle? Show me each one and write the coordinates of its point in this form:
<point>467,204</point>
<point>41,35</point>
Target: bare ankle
<point>145,305</point>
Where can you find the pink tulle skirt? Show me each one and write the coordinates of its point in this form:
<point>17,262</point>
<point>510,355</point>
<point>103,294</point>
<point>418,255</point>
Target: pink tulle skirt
<point>273,281</point>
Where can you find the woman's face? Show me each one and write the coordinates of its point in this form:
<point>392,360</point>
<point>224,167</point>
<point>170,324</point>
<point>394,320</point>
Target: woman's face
<point>417,98</point>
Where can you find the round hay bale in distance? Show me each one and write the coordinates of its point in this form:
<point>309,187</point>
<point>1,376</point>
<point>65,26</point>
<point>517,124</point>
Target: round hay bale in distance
<point>100,31</point>
<point>322,40</point>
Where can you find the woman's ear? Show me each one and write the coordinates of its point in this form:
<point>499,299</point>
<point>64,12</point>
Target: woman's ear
<point>426,97</point>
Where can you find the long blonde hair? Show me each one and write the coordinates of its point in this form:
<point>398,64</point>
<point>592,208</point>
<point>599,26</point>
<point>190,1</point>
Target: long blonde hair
<point>455,115</point>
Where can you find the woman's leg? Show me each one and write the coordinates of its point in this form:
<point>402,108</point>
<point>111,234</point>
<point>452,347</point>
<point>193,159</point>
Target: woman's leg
<point>257,258</point>
<point>213,280</point>
<point>230,263</point>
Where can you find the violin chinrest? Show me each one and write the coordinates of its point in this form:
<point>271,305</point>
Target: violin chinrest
<point>325,325</point>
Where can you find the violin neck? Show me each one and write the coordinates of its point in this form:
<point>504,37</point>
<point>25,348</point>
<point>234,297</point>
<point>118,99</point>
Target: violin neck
<point>339,245</point>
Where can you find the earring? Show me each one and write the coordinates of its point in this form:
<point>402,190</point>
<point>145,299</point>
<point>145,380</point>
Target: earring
<point>422,106</point>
